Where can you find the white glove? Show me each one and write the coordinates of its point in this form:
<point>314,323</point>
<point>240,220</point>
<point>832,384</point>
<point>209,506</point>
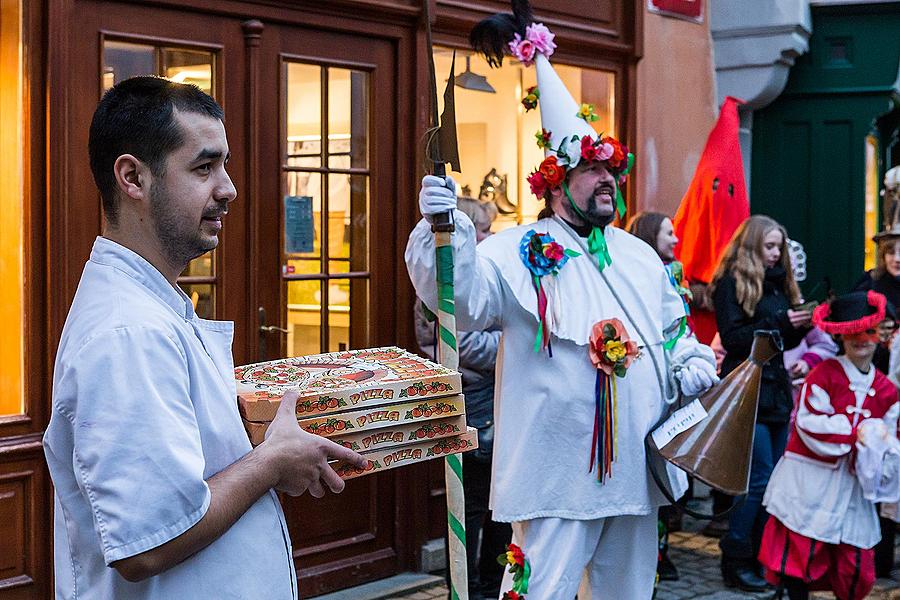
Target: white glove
<point>696,376</point>
<point>436,196</point>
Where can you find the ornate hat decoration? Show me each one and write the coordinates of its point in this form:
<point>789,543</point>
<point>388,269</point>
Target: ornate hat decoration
<point>890,205</point>
<point>566,135</point>
<point>851,313</point>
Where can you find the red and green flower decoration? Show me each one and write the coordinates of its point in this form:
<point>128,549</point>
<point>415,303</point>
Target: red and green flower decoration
<point>544,257</point>
<point>532,95</point>
<point>520,568</point>
<point>543,139</point>
<point>611,351</point>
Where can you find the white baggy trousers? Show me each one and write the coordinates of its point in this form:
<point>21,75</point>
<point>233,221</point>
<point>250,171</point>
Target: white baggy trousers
<point>601,559</point>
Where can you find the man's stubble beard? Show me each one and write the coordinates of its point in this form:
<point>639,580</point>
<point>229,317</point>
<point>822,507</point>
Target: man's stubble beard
<point>179,248</point>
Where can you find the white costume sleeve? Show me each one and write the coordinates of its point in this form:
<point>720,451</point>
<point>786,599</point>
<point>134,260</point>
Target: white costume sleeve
<point>688,346</point>
<point>477,285</point>
<point>822,431</point>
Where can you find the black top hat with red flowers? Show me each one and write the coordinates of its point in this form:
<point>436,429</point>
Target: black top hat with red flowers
<point>851,313</point>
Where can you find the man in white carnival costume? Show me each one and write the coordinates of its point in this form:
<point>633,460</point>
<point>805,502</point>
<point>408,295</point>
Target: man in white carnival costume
<point>591,349</point>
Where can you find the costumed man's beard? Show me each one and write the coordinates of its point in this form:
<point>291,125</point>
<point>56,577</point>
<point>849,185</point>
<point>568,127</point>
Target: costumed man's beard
<point>595,215</point>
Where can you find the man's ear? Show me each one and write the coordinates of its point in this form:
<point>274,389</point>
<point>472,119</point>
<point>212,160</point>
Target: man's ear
<point>132,177</point>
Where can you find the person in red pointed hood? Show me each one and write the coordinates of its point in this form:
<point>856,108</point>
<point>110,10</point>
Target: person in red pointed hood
<point>712,209</point>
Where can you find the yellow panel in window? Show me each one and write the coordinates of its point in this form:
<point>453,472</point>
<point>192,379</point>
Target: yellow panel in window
<point>348,322</point>
<point>348,118</point>
<point>871,214</point>
<point>348,219</point>
<point>203,297</point>
<point>12,313</point>
<point>201,266</point>
<point>303,115</point>
<point>189,66</point>
<point>304,317</point>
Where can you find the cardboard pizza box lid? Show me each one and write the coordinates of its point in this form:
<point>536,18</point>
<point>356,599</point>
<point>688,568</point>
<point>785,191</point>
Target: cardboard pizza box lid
<point>341,381</point>
<point>391,458</point>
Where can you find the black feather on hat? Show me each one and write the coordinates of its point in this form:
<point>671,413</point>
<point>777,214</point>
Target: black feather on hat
<point>491,36</point>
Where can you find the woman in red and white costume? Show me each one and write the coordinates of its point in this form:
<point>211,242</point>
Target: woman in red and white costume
<point>822,529</point>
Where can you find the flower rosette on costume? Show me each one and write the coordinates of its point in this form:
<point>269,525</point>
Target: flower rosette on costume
<point>611,351</point>
<point>520,568</point>
<point>544,257</point>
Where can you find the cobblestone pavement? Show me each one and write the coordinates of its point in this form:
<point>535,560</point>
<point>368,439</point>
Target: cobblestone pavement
<point>697,560</point>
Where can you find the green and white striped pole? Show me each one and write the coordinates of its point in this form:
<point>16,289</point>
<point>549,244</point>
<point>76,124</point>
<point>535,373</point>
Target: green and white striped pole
<point>449,357</point>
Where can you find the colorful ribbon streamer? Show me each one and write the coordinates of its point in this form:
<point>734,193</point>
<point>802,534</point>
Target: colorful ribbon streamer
<point>542,339</point>
<point>606,426</point>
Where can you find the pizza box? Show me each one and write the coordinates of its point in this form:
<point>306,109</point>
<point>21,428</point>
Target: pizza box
<point>364,441</point>
<point>341,381</point>
<point>390,458</point>
<point>376,417</point>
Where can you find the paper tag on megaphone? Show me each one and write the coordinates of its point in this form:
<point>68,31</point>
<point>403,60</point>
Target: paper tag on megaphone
<point>681,420</point>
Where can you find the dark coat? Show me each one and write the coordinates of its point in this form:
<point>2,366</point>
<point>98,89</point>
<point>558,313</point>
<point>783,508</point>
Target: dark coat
<point>736,332</point>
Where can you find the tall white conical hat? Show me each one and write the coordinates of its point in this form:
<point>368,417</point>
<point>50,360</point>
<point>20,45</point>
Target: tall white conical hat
<point>559,110</point>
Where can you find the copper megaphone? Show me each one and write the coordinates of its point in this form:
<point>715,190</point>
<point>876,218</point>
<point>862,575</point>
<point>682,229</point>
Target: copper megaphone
<point>717,449</point>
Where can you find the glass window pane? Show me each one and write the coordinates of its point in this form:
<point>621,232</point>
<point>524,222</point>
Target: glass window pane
<point>12,217</point>
<point>202,266</point>
<point>497,172</point>
<point>203,297</point>
<point>189,66</point>
<point>348,320</point>
<point>300,188</point>
<point>304,115</point>
<point>348,118</point>
<point>348,209</point>
<point>304,317</point>
<point>122,60</point>
<point>302,266</point>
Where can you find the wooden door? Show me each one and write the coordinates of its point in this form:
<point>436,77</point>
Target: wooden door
<point>325,251</point>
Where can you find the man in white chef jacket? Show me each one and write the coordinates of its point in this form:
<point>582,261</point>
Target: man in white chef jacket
<point>569,522</point>
<point>158,493</point>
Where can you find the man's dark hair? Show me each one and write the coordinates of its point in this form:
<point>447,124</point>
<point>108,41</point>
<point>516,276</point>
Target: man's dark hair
<point>137,116</point>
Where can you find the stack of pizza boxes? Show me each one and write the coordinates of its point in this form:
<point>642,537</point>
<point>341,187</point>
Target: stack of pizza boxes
<point>393,407</point>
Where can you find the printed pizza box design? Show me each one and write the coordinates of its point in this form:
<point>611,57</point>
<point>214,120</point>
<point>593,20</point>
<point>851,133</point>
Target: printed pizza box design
<point>341,381</point>
<point>364,441</point>
<point>353,422</point>
<point>390,458</point>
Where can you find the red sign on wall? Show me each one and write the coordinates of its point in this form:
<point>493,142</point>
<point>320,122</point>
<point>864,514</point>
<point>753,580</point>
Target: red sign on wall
<point>685,9</point>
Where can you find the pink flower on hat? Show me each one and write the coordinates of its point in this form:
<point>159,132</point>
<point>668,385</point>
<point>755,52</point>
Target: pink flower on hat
<point>523,50</point>
<point>541,37</point>
<point>605,151</point>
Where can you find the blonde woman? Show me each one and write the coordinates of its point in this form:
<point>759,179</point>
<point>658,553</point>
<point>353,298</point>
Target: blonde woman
<point>754,288</point>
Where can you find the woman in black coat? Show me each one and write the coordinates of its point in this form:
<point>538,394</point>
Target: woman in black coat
<point>753,289</point>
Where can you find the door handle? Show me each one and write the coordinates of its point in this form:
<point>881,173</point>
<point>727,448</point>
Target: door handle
<point>268,328</point>
<point>271,328</point>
